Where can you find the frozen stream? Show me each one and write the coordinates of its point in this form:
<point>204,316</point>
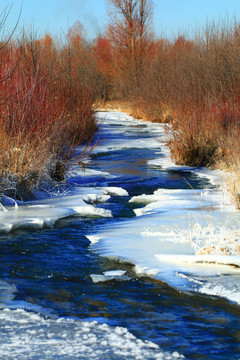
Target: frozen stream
<point>134,258</point>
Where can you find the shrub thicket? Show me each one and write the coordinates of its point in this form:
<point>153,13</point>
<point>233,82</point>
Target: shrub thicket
<point>46,111</point>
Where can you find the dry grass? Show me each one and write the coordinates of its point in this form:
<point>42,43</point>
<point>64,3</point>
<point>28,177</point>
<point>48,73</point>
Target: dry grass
<point>194,84</point>
<point>137,109</point>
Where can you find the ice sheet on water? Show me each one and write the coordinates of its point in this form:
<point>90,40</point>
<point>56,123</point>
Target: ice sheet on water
<point>116,123</point>
<point>194,232</point>
<point>118,275</point>
<point>115,191</point>
<point>164,162</point>
<point>88,172</point>
<point>166,200</point>
<point>95,199</point>
<point>93,239</point>
<point>91,211</point>
<point>44,213</point>
<point>204,263</point>
<point>25,335</point>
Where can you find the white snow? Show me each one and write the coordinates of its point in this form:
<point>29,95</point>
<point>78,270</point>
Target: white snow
<point>117,123</point>
<point>114,273</point>
<point>189,232</point>
<point>44,213</point>
<point>91,211</point>
<point>88,172</point>
<point>115,191</point>
<point>230,292</point>
<point>93,239</point>
<point>26,335</point>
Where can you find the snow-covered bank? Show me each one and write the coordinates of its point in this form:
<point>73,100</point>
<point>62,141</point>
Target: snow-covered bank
<point>45,213</point>
<point>38,214</point>
<point>187,238</point>
<point>26,335</point>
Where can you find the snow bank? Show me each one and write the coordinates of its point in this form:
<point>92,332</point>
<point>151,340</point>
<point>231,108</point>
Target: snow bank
<point>187,231</point>
<point>95,199</point>
<point>221,289</point>
<point>91,211</point>
<point>188,238</point>
<point>168,199</point>
<point>27,335</point>
<point>115,191</point>
<point>44,213</point>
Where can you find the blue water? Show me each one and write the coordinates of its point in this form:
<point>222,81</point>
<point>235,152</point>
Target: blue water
<point>51,268</point>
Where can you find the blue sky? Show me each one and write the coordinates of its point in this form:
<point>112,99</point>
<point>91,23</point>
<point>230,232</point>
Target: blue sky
<point>170,16</point>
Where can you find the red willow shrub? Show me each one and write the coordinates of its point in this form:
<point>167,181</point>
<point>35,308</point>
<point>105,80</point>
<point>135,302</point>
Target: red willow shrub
<point>44,116</point>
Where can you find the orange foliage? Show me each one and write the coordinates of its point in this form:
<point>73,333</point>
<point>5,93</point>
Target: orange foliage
<point>103,53</point>
<point>45,111</point>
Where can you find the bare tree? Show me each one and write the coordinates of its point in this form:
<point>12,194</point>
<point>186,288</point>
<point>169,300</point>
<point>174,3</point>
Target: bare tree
<point>145,17</point>
<point>130,25</point>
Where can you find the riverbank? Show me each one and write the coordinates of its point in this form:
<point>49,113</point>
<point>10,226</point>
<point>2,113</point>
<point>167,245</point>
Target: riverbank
<point>194,151</point>
<point>193,83</point>
<point>120,247</point>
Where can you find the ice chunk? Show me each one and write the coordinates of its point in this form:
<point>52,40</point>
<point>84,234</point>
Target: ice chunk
<point>115,273</point>
<point>115,191</point>
<point>91,211</point>
<point>96,198</point>
<point>110,275</point>
<point>88,172</point>
<point>93,239</point>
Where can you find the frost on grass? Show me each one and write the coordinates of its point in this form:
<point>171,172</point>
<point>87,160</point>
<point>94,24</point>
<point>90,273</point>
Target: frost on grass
<point>27,335</point>
<point>213,239</point>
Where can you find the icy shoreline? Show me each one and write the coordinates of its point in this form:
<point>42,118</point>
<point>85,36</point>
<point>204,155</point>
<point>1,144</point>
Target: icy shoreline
<point>179,224</point>
<point>177,236</point>
<point>33,336</point>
